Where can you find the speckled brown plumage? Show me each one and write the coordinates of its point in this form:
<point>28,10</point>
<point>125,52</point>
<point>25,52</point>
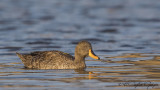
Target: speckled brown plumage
<point>57,59</point>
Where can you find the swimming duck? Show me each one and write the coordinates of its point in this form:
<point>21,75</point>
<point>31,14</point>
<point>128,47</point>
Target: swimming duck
<point>57,59</point>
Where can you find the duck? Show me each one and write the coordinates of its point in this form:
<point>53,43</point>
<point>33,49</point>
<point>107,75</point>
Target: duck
<point>57,59</point>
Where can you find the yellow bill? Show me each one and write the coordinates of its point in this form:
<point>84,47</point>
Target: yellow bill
<point>92,55</point>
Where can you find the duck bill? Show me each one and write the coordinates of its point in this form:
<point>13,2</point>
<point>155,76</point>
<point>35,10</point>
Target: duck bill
<point>92,55</point>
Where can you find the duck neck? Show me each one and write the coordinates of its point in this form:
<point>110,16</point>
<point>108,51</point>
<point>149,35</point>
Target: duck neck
<point>79,58</point>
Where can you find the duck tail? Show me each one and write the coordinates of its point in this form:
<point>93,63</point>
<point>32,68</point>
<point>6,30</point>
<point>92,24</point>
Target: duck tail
<point>21,57</point>
<point>26,60</point>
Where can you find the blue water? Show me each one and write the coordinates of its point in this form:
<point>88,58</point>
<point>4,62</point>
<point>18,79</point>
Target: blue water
<point>125,34</point>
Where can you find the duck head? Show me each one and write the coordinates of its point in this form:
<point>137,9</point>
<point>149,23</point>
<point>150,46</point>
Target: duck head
<point>84,49</point>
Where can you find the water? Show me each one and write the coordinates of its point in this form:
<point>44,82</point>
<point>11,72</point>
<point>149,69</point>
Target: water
<point>125,34</point>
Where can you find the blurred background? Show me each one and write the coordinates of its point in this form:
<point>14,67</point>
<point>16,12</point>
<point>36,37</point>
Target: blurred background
<point>116,29</point>
<point>112,25</point>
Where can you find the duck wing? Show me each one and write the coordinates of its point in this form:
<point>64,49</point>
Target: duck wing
<point>45,59</point>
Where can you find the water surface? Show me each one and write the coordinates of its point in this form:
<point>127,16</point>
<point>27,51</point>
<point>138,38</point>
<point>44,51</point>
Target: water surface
<point>124,33</point>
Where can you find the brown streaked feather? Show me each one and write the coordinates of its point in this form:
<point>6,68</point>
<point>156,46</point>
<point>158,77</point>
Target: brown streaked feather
<point>57,59</point>
<point>45,59</point>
